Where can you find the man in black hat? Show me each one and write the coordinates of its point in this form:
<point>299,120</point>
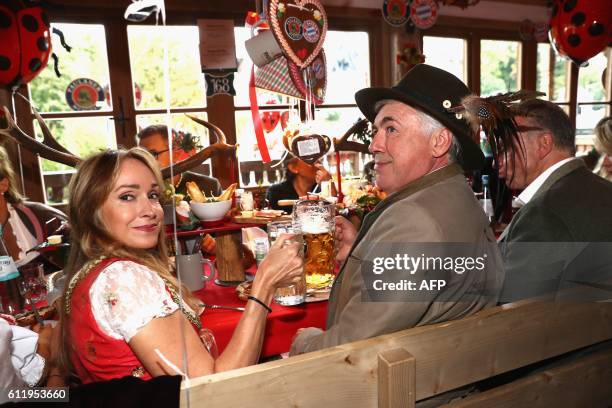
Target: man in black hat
<point>425,254</point>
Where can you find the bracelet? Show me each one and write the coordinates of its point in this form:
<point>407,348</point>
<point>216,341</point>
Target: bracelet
<point>253,298</point>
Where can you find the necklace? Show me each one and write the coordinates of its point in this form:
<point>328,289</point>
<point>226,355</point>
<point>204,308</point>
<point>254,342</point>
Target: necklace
<point>192,317</point>
<point>82,273</point>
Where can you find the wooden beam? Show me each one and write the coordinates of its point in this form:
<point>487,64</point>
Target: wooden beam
<point>396,379</point>
<point>448,355</point>
<point>582,383</point>
<point>121,82</point>
<point>28,162</point>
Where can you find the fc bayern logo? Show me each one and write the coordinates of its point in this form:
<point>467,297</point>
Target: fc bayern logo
<point>310,31</point>
<point>424,13</point>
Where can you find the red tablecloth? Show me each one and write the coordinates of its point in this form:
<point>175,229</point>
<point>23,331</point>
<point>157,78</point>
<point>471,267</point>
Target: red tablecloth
<point>282,323</point>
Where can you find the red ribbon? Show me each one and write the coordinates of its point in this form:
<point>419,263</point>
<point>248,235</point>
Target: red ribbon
<point>339,177</point>
<point>257,125</point>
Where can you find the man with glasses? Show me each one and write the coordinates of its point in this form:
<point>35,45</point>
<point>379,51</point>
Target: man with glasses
<point>154,138</point>
<point>560,238</point>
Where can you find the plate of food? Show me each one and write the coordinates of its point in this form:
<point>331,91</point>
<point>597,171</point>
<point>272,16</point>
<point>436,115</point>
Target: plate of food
<point>210,208</point>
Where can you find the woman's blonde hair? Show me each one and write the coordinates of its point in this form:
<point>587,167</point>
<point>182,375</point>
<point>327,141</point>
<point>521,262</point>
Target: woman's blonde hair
<point>603,135</point>
<point>12,195</point>
<point>90,238</point>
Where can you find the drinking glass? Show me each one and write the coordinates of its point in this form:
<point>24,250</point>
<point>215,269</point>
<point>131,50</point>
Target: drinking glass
<point>295,293</point>
<point>32,285</point>
<point>315,220</point>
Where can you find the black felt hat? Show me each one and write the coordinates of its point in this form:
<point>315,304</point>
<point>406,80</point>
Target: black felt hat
<point>432,91</point>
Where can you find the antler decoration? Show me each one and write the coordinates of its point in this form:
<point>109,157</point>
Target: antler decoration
<point>219,147</point>
<point>14,132</point>
<point>50,149</point>
<point>496,116</point>
<point>343,144</point>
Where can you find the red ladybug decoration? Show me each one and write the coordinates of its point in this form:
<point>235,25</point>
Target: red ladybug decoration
<point>580,29</point>
<point>25,45</point>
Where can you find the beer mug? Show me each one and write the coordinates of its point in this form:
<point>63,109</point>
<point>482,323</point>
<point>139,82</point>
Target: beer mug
<point>315,220</point>
<point>294,294</point>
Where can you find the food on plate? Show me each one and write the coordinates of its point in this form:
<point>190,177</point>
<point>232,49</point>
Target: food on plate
<point>228,193</point>
<point>199,197</point>
<point>268,213</point>
<point>195,193</point>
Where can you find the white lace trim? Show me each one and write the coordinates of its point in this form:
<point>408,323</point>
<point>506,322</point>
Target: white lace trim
<point>24,238</point>
<point>126,296</point>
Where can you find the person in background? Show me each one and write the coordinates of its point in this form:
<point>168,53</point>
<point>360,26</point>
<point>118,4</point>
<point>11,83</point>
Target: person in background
<point>123,311</point>
<point>154,139</point>
<point>603,145</point>
<point>301,178</point>
<point>419,148</point>
<point>24,222</point>
<point>565,218</point>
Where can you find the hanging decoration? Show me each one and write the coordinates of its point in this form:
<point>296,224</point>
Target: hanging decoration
<point>270,120</point>
<point>396,12</point>
<point>408,56</point>
<point>140,10</point>
<point>527,30</point>
<point>219,84</point>
<point>300,27</point>
<point>424,13</point>
<point>312,80</point>
<point>540,32</point>
<point>580,29</point>
<point>309,148</point>
<point>26,43</point>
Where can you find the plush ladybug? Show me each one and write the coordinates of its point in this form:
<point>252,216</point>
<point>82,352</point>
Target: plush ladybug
<point>26,45</point>
<point>580,29</point>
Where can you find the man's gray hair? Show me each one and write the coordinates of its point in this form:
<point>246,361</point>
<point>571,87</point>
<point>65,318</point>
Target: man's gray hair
<point>430,125</point>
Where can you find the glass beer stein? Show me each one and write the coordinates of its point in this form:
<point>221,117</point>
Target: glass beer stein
<point>315,220</point>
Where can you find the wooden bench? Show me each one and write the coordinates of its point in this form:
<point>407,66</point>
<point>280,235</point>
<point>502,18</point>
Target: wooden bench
<point>395,370</point>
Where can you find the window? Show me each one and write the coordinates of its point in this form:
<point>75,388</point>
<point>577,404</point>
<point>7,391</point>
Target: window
<point>187,87</point>
<point>348,70</point>
<point>446,53</point>
<point>552,74</point>
<point>592,100</point>
<point>499,67</point>
<point>82,132</point>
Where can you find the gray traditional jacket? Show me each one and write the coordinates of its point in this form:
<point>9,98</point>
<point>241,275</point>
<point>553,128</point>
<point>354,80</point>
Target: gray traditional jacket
<point>434,215</point>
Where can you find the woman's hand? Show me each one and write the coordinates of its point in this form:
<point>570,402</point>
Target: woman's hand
<point>345,236</point>
<point>321,174</point>
<point>283,264</point>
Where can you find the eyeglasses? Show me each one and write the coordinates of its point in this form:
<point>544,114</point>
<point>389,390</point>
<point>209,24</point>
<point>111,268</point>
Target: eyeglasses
<point>528,128</point>
<point>156,154</point>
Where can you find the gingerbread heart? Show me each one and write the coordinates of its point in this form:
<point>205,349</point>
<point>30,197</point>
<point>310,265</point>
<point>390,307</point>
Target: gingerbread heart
<point>316,73</point>
<point>300,27</point>
<point>310,148</point>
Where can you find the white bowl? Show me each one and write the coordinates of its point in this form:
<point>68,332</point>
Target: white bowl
<point>211,211</point>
